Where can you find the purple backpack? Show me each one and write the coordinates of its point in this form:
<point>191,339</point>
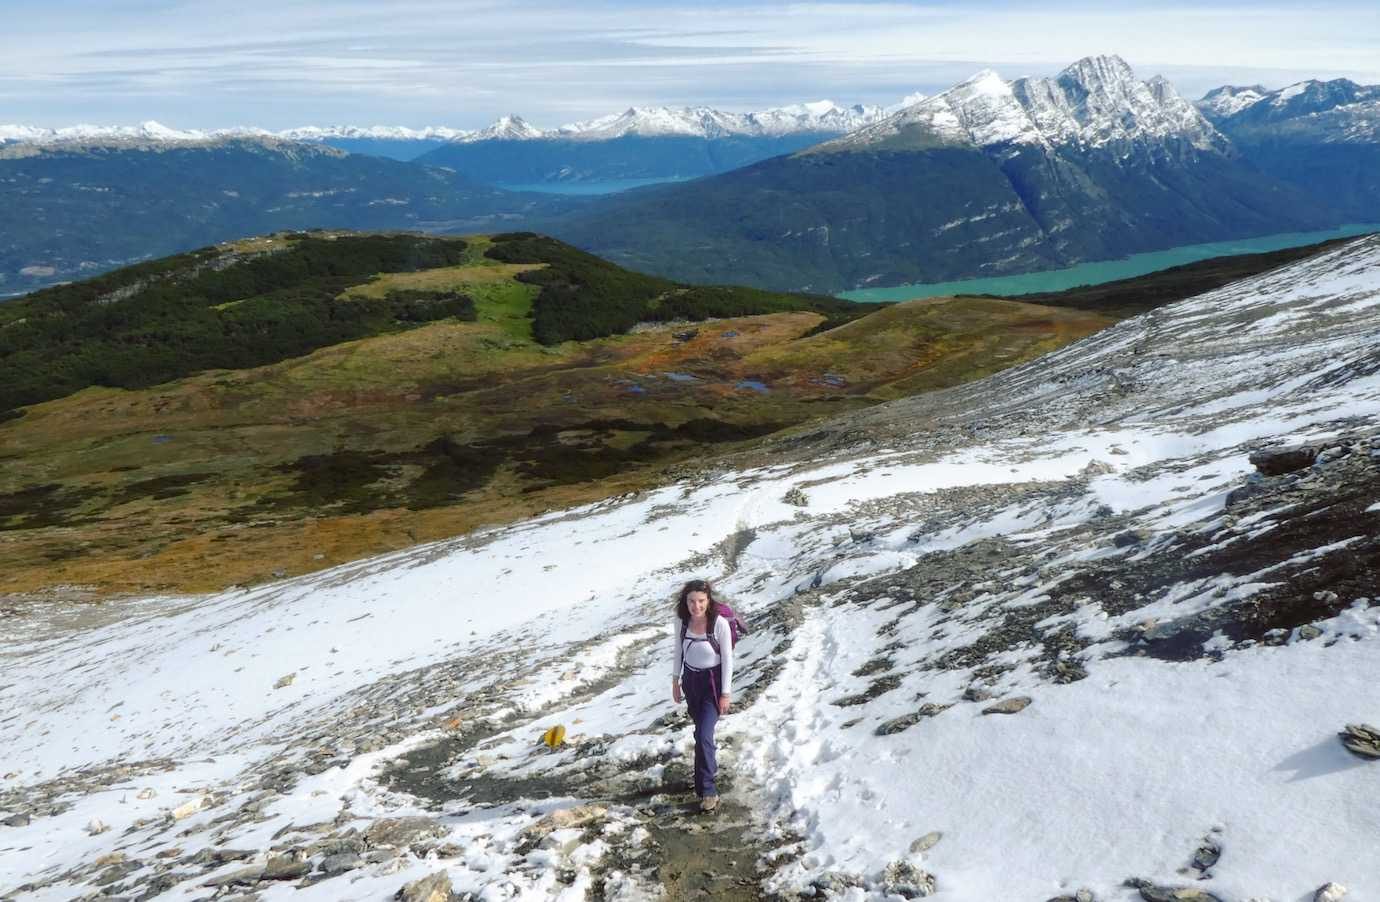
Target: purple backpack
<point>736,627</point>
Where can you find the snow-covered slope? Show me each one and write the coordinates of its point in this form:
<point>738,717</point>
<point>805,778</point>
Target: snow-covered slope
<point>1095,102</point>
<point>1081,541</point>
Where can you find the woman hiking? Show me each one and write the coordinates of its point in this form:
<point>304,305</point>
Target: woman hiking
<point>702,674</point>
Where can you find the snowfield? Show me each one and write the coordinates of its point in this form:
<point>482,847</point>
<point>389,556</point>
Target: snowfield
<point>1046,633</point>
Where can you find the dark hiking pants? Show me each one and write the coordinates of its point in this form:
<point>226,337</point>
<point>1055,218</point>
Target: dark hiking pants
<point>702,697</point>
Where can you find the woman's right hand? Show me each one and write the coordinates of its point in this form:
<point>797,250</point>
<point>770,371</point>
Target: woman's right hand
<point>675,691</point>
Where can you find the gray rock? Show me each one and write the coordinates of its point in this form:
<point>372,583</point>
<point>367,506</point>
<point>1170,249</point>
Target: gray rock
<point>399,832</point>
<point>976,694</point>
<point>1330,892</point>
<point>242,877</point>
<point>285,867</point>
<point>340,863</point>
<point>1361,739</point>
<point>224,855</point>
<point>336,845</point>
<point>435,888</point>
<point>1153,893</point>
<point>1008,705</point>
<point>1309,631</point>
<point>1207,855</point>
<point>1127,539</point>
<point>18,820</point>
<point>906,880</point>
<point>1277,461</point>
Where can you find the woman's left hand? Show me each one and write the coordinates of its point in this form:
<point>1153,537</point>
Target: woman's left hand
<point>724,704</point>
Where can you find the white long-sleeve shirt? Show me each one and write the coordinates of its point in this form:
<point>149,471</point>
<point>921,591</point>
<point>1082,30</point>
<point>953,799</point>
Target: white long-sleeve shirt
<point>701,655</point>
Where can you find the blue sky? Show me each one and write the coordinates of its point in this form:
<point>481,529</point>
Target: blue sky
<point>281,63</point>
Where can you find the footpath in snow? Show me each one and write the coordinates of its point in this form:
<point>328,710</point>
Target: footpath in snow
<point>1049,635</point>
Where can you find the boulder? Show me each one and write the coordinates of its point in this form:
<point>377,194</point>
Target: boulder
<point>1329,892</point>
<point>242,877</point>
<point>580,816</point>
<point>435,888</point>
<point>398,832</point>
<point>1152,893</point>
<point>1127,539</point>
<point>1361,739</point>
<point>1207,855</point>
<point>18,820</point>
<point>340,863</point>
<point>1278,461</point>
<point>1008,705</point>
<point>189,808</point>
<point>285,867</point>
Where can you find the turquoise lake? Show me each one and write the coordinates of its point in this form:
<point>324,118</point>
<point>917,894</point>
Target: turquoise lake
<point>1105,270</point>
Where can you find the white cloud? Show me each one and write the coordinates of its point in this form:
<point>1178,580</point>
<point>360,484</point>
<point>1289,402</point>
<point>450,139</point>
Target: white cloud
<point>462,63</point>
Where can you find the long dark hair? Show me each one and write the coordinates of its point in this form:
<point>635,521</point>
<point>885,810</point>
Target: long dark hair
<point>683,607</point>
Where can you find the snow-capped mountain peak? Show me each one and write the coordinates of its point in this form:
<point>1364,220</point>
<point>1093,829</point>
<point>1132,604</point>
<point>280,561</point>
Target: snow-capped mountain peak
<point>1229,100</point>
<point>1094,102</point>
<point>505,128</point>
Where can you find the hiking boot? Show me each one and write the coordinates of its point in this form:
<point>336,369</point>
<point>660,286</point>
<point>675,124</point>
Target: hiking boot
<point>709,803</point>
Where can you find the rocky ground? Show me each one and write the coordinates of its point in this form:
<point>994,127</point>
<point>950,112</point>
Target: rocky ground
<point>1086,629</point>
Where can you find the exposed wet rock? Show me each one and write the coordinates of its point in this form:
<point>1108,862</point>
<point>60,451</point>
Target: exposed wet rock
<point>1278,461</point>
<point>1128,538</point>
<point>1207,855</point>
<point>1361,739</point>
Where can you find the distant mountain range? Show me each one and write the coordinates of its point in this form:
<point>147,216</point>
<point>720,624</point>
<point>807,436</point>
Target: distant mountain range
<point>72,210</point>
<point>1321,136</point>
<point>989,177</point>
<point>777,130</point>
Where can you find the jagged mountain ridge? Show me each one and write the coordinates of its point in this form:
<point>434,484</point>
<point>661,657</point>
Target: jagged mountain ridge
<point>986,178</point>
<point>1321,136</point>
<point>1096,102</point>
